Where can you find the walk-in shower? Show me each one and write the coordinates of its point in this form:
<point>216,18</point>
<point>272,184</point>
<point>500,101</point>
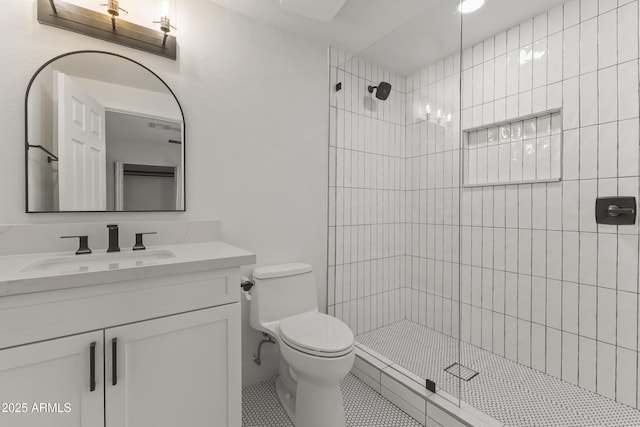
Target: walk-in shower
<point>463,243</point>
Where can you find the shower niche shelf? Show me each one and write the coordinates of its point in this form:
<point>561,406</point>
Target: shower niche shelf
<point>525,149</point>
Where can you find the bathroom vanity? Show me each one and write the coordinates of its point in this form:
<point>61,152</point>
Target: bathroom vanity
<point>133,339</point>
<point>146,337</point>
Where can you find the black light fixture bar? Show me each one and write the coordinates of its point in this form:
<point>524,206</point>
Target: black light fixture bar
<point>99,25</point>
<point>53,6</point>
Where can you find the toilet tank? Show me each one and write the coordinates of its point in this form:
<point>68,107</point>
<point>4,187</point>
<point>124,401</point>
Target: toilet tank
<point>281,291</point>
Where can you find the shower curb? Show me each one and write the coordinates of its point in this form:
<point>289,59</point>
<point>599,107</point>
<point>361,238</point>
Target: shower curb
<point>408,392</point>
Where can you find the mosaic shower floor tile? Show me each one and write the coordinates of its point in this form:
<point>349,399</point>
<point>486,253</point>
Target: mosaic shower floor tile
<point>513,394</point>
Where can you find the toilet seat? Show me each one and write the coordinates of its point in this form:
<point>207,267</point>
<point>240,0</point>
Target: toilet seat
<point>317,334</point>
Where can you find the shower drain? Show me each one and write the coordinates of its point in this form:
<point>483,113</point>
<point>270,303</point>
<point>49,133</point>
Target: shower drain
<point>461,371</point>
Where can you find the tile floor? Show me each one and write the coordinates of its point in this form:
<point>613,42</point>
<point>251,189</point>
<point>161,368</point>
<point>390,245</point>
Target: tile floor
<point>511,393</point>
<point>364,407</point>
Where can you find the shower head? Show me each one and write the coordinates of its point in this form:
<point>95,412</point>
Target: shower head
<point>382,90</point>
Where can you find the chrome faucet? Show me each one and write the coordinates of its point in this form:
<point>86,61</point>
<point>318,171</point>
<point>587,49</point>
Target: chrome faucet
<point>113,238</point>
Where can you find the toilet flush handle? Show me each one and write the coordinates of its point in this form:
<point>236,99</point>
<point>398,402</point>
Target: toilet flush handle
<point>246,284</point>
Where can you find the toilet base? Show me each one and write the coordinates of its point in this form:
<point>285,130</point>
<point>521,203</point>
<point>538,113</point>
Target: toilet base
<point>312,405</point>
<point>287,398</point>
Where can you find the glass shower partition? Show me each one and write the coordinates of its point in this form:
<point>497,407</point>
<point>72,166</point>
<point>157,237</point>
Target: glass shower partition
<point>394,192</point>
<point>463,245</point>
<point>549,296</point>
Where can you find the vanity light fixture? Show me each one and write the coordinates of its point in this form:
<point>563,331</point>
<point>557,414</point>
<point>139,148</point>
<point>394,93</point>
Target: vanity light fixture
<point>165,22</point>
<point>113,9</point>
<point>104,26</point>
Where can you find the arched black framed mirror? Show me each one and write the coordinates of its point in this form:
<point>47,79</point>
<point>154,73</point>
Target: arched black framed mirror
<point>104,133</point>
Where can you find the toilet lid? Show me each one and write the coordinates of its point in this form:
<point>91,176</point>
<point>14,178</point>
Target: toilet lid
<point>317,333</point>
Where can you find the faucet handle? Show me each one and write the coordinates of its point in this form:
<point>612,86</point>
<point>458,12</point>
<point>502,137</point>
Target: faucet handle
<point>84,244</point>
<point>113,238</point>
<point>139,246</point>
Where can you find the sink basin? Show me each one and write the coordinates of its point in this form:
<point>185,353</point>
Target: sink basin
<point>100,261</point>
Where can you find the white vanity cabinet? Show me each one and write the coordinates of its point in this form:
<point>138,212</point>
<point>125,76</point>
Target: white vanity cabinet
<point>175,371</point>
<point>48,384</point>
<point>172,341</point>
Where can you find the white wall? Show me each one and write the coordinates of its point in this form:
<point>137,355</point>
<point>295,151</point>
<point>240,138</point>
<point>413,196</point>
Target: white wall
<point>255,105</point>
<point>42,173</point>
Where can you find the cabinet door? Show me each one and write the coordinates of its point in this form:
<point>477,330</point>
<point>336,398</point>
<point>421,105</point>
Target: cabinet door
<point>181,370</point>
<point>50,383</point>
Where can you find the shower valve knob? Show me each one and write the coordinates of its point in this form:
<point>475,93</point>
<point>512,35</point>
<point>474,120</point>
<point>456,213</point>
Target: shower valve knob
<point>616,210</point>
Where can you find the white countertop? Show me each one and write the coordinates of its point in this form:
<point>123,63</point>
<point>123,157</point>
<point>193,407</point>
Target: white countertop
<point>189,258</point>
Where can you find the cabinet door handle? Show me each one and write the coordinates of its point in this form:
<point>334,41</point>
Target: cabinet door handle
<point>114,361</point>
<point>92,366</point>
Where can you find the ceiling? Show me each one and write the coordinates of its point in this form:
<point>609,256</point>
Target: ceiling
<point>131,128</point>
<point>400,35</point>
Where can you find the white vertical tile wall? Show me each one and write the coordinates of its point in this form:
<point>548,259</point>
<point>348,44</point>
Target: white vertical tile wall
<point>433,181</point>
<point>540,282</point>
<point>568,303</point>
<point>366,196</point>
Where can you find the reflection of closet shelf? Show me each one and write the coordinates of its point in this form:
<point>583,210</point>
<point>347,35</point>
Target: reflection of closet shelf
<point>149,170</point>
<point>523,150</point>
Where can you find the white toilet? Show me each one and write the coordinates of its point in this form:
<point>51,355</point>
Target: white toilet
<point>317,350</point>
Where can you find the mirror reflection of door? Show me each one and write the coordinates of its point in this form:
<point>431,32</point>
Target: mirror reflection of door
<point>81,148</point>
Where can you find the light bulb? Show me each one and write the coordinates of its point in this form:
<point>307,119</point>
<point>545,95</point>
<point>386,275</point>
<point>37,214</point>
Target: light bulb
<point>468,6</point>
